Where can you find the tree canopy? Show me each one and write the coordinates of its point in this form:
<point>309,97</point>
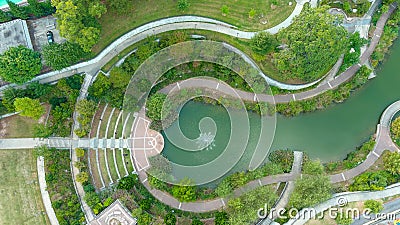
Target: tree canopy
<point>310,190</point>
<point>77,21</point>
<point>59,56</point>
<point>315,42</point>
<point>263,42</point>
<point>19,64</point>
<point>29,107</point>
<point>395,128</point>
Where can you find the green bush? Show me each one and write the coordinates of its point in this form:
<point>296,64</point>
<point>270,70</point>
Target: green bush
<point>373,205</point>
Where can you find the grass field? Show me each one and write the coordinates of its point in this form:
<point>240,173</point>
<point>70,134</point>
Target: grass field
<point>20,202</point>
<point>115,24</point>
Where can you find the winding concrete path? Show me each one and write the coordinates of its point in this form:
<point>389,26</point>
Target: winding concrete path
<point>285,98</point>
<point>160,26</point>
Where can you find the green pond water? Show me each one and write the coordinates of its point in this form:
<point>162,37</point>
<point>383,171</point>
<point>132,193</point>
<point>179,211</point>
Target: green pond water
<point>4,2</point>
<point>327,134</point>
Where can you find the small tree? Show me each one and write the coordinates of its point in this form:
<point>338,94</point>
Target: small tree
<point>183,5</point>
<point>42,131</point>
<point>395,128</point>
<point>263,43</point>
<point>80,152</point>
<point>29,107</point>
<point>373,205</point>
<point>82,177</point>
<point>252,13</point>
<point>19,64</point>
<point>170,219</point>
<point>128,182</point>
<point>42,150</point>
<point>221,218</point>
<point>313,167</point>
<point>225,10</point>
<point>121,6</point>
<point>391,162</point>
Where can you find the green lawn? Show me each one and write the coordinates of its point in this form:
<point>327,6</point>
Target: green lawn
<point>115,24</point>
<point>103,168</point>
<point>17,127</point>
<point>111,165</point>
<point>120,163</point>
<point>95,171</point>
<point>129,124</point>
<point>21,201</point>
<point>120,126</point>
<point>104,122</point>
<point>129,165</point>
<point>113,123</point>
<point>96,120</point>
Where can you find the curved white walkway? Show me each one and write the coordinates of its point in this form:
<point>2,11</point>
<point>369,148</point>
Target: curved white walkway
<point>45,194</point>
<point>161,26</point>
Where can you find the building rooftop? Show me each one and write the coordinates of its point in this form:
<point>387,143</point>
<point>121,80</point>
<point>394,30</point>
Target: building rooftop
<point>115,214</point>
<point>14,33</point>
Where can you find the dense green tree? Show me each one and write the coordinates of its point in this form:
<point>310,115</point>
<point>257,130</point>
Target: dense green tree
<point>263,42</point>
<point>185,191</point>
<point>92,199</point>
<point>252,13</point>
<point>221,218</point>
<point>155,106</point>
<point>395,128</point>
<point>307,57</point>
<point>391,162</point>
<point>372,181</point>
<point>77,21</point>
<point>170,219</point>
<point>19,64</point>
<point>86,110</point>
<point>42,131</point>
<point>59,56</point>
<point>17,11</point>
<point>96,9</point>
<point>36,8</point>
<point>243,209</point>
<point>313,167</point>
<point>29,107</point>
<point>4,16</point>
<point>373,205</point>
<point>145,204</point>
<point>310,190</point>
<point>128,182</point>
<point>183,5</point>
<point>9,95</point>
